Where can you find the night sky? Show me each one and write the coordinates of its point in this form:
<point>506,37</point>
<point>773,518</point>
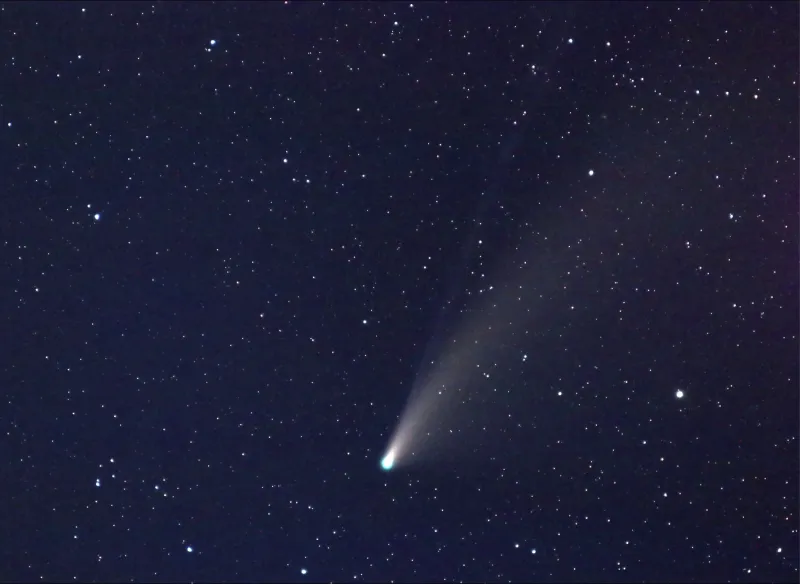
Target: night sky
<point>242,244</point>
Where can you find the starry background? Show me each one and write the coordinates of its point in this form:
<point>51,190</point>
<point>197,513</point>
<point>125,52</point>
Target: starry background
<point>231,232</point>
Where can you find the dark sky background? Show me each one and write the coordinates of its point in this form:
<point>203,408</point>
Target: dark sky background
<point>231,232</point>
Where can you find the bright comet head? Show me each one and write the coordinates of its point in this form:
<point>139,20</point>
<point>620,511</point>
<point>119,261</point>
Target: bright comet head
<point>388,461</point>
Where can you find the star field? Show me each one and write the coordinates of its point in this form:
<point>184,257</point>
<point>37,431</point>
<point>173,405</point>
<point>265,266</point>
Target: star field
<point>234,236</point>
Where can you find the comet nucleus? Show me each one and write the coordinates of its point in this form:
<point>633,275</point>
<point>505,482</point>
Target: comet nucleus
<point>387,462</point>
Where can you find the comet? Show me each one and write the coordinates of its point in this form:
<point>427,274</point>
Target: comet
<point>476,396</point>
